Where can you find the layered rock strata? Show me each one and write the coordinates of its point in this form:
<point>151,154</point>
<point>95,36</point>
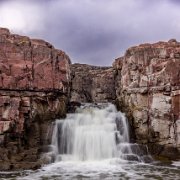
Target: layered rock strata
<point>92,83</point>
<point>34,88</point>
<point>148,90</point>
<point>37,81</point>
<point>145,83</point>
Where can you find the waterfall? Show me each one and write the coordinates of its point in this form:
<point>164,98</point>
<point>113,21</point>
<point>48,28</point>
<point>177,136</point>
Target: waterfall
<point>93,133</point>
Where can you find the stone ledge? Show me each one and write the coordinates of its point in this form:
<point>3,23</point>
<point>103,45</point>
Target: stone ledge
<point>175,93</point>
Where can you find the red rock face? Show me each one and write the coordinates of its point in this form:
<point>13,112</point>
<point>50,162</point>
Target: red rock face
<point>31,65</point>
<point>34,82</point>
<point>150,88</point>
<point>27,64</point>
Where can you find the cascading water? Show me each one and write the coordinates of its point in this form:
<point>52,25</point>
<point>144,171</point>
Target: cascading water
<point>94,132</point>
<point>93,143</point>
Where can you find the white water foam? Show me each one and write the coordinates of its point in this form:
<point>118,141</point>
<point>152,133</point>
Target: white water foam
<point>91,134</point>
<point>176,163</point>
<point>93,144</point>
<point>102,170</point>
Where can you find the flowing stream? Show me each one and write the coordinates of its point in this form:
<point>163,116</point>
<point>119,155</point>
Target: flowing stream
<point>95,133</point>
<point>93,143</point>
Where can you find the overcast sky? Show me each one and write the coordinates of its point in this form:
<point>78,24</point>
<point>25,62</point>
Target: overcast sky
<point>93,31</point>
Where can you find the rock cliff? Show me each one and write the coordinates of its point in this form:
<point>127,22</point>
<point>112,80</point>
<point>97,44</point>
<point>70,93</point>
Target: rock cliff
<point>34,85</point>
<point>148,90</point>
<point>145,84</point>
<point>92,83</point>
<point>37,82</point>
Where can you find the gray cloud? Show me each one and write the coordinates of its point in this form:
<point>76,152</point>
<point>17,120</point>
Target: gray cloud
<point>93,31</point>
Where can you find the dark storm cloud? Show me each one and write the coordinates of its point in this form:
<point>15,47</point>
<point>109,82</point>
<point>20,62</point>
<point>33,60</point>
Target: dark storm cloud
<point>94,31</point>
<point>175,1</point>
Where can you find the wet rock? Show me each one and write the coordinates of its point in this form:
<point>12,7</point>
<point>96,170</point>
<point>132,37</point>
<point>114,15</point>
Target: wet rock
<point>147,159</point>
<point>131,157</point>
<point>139,150</point>
<point>72,106</point>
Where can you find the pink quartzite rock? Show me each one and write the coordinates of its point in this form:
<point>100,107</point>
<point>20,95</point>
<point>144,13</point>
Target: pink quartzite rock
<point>34,85</point>
<point>27,64</point>
<point>31,65</point>
<point>149,89</point>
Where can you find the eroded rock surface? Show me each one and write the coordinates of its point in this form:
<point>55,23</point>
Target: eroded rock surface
<point>92,83</point>
<point>34,87</point>
<point>30,64</point>
<point>148,89</point>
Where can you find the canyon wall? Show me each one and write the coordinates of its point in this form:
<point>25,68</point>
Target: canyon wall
<point>145,84</point>
<point>92,84</point>
<point>34,88</point>
<point>148,90</point>
<point>38,83</point>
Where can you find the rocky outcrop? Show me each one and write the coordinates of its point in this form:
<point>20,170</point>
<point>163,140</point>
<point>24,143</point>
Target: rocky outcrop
<point>92,83</point>
<point>148,90</point>
<point>37,81</point>
<point>31,64</point>
<point>34,88</point>
<point>146,81</point>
